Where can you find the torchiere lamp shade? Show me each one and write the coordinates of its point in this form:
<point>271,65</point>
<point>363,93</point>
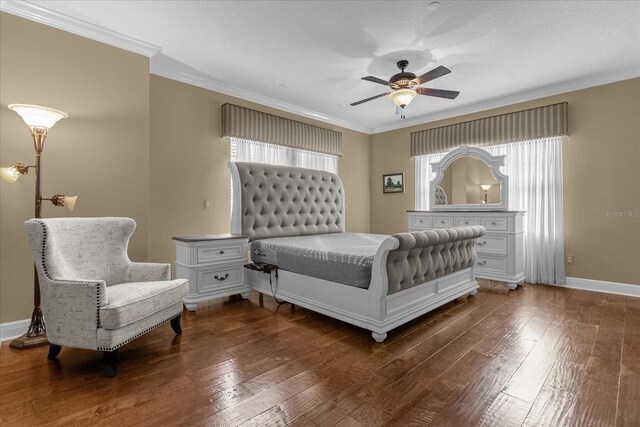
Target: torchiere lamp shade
<point>37,116</point>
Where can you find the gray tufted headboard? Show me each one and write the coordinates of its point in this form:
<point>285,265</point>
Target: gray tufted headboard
<point>440,195</point>
<point>279,201</point>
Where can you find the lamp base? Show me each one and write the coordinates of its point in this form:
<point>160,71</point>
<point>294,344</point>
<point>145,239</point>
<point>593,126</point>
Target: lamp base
<point>24,342</point>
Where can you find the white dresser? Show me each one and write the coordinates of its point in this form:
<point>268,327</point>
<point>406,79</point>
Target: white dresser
<point>500,252</point>
<point>213,264</point>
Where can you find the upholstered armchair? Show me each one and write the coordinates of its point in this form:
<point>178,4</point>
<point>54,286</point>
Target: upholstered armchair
<point>93,296</point>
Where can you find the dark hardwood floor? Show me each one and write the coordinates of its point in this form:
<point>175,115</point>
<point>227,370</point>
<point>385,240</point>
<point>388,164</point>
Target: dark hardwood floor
<point>540,355</point>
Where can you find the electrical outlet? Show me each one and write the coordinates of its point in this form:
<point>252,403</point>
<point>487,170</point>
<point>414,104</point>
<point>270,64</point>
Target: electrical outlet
<point>571,259</point>
<point>207,204</point>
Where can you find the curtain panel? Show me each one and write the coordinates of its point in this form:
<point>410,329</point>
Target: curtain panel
<point>535,123</point>
<point>244,123</point>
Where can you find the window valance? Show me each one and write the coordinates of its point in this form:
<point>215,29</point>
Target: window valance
<point>535,123</point>
<point>240,122</point>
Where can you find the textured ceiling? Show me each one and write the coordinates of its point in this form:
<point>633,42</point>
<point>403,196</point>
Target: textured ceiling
<point>312,54</point>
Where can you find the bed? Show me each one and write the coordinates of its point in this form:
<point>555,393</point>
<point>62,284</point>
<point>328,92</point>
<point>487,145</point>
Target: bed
<point>295,218</point>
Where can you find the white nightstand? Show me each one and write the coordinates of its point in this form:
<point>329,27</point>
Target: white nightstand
<point>213,264</point>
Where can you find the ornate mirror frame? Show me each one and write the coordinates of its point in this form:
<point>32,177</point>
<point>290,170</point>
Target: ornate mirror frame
<point>494,162</point>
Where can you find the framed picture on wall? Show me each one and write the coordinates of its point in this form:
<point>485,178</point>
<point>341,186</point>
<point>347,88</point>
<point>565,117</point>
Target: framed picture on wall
<point>393,183</point>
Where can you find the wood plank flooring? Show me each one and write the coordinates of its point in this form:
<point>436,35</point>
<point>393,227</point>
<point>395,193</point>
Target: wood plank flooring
<point>537,356</point>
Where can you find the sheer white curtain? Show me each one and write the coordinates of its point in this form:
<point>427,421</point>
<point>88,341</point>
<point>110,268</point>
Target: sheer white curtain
<point>534,169</point>
<point>424,175</point>
<point>244,150</point>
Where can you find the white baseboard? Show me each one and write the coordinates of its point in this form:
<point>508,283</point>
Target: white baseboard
<point>602,286</point>
<point>11,330</point>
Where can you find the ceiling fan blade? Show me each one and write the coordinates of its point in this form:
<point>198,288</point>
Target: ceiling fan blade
<point>369,99</point>
<point>439,93</point>
<point>432,75</point>
<point>376,80</point>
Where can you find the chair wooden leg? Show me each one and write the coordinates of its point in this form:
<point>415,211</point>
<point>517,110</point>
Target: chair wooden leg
<point>175,325</point>
<point>54,351</point>
<point>111,363</point>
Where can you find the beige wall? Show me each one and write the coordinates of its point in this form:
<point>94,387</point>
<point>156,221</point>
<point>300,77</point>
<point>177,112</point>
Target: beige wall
<point>100,153</point>
<point>601,174</point>
<point>188,165</point>
<point>149,148</point>
<point>115,149</point>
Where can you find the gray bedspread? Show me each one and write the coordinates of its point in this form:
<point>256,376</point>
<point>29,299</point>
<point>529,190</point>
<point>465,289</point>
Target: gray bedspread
<point>341,257</point>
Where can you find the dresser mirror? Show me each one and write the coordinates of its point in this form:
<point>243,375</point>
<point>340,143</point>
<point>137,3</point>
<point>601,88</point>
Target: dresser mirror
<point>468,179</point>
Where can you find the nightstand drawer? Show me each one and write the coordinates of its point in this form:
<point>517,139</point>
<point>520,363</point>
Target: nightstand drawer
<point>442,221</point>
<point>219,276</point>
<point>492,243</point>
<point>219,252</point>
<point>499,224</point>
<point>420,222</point>
<point>466,221</point>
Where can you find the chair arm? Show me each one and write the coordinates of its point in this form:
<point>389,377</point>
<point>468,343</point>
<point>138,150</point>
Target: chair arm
<point>71,309</point>
<point>148,272</point>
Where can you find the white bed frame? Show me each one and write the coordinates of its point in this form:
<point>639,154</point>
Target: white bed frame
<point>372,309</point>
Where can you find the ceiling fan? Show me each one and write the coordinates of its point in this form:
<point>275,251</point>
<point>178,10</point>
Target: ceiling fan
<point>405,87</point>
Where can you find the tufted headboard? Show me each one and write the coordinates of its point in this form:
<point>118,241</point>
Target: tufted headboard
<point>280,201</point>
<point>440,195</point>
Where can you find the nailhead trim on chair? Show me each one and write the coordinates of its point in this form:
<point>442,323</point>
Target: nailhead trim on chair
<point>137,335</point>
<point>83,282</point>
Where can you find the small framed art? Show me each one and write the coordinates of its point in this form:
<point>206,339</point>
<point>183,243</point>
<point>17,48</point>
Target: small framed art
<point>393,183</point>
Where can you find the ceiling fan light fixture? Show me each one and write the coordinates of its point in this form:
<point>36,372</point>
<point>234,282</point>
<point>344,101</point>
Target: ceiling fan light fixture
<point>402,97</point>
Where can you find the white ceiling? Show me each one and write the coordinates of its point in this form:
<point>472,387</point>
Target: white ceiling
<point>310,55</point>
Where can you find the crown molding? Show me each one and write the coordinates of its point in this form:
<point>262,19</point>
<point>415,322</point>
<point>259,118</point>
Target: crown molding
<point>212,84</point>
<point>527,95</point>
<point>82,28</point>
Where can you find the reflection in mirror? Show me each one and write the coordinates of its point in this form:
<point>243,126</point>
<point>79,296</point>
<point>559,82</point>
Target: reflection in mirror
<point>468,181</point>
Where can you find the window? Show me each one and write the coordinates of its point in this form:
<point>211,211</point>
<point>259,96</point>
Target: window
<point>534,168</point>
<point>244,150</point>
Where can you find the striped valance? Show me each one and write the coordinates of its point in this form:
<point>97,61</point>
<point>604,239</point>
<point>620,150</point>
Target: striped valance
<point>240,122</point>
<point>534,123</point>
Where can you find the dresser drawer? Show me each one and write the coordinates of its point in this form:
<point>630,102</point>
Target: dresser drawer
<point>466,221</point>
<point>491,265</point>
<point>420,222</point>
<point>442,221</point>
<point>499,224</point>
<point>492,244</point>
<point>219,276</point>
<point>219,252</point>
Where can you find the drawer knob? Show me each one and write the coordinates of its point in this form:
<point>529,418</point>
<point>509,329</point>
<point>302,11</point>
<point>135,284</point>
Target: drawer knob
<point>226,276</point>
<point>421,221</point>
<point>441,222</point>
<point>466,222</point>
<point>221,252</point>
<point>493,223</point>
<point>482,243</point>
<point>482,262</point>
